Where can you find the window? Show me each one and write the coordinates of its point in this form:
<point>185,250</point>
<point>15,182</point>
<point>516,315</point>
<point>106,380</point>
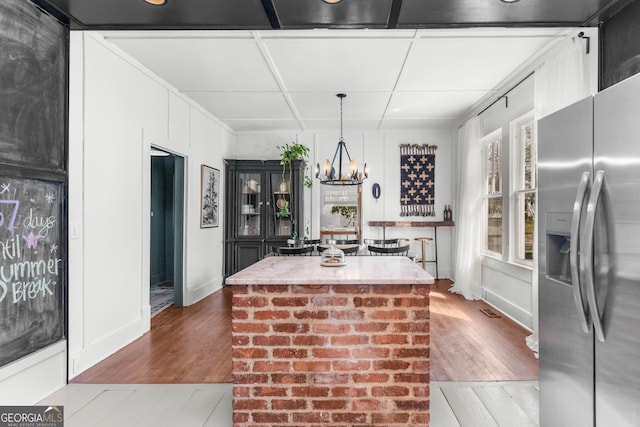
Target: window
<point>493,192</point>
<point>524,186</point>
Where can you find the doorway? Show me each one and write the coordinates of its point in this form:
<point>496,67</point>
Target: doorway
<point>167,217</point>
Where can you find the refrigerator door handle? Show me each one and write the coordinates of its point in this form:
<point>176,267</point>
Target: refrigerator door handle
<point>574,258</point>
<point>587,254</point>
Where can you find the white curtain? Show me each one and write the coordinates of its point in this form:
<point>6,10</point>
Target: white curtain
<point>469,216</point>
<point>560,81</point>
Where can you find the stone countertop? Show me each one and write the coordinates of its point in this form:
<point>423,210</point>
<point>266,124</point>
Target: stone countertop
<point>306,270</point>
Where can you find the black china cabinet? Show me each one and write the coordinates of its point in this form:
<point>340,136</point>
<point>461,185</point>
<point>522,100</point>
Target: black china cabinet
<point>264,208</point>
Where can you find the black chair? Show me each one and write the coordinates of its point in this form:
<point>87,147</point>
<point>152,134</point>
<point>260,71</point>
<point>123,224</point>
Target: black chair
<point>382,242</point>
<point>390,250</point>
<point>295,251</point>
<point>351,250</point>
<point>385,243</point>
<point>345,242</point>
<point>348,250</point>
<point>312,242</point>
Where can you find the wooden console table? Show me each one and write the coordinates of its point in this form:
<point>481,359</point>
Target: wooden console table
<point>431,224</point>
<point>339,232</point>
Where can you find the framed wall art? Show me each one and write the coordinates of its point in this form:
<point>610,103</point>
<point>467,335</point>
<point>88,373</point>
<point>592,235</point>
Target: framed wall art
<point>210,189</point>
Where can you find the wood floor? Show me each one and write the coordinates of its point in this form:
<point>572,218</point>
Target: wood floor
<point>192,345</point>
<point>481,371</point>
<point>186,345</point>
<point>467,345</point>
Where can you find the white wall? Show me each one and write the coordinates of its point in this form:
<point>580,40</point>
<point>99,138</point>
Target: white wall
<point>381,151</point>
<point>119,109</point>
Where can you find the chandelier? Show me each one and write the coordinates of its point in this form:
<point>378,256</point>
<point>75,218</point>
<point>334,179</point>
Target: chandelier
<point>347,175</point>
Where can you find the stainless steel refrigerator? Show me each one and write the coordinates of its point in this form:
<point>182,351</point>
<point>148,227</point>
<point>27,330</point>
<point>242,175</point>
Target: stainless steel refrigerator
<point>589,261</point>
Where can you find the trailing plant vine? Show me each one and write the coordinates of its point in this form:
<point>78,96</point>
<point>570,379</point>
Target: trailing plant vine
<point>291,152</point>
<point>288,154</point>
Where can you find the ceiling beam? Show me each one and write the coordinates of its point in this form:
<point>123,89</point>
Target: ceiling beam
<point>394,14</point>
<point>48,8</point>
<point>270,10</point>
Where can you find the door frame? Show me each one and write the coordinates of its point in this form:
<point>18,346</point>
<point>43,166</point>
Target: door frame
<point>179,207</point>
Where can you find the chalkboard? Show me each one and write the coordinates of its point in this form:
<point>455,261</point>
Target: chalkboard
<point>33,87</point>
<point>32,290</point>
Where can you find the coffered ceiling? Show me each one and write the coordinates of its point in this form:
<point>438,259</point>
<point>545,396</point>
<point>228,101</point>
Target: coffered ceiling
<point>287,80</point>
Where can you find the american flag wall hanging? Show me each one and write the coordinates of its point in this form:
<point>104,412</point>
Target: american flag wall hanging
<point>417,179</point>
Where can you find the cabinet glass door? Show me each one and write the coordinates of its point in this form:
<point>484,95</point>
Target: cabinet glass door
<point>282,209</point>
<point>249,204</point>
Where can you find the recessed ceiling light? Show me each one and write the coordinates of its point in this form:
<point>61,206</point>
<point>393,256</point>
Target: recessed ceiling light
<point>156,2</point>
<point>509,1</point>
<point>332,1</point>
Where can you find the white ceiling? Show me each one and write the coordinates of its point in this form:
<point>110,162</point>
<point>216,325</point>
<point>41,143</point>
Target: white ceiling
<point>287,80</point>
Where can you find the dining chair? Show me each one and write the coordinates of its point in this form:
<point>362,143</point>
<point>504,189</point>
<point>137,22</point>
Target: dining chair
<point>389,250</point>
<point>353,250</point>
<point>295,251</point>
<point>382,242</point>
<point>349,246</point>
<point>312,242</point>
<point>385,243</point>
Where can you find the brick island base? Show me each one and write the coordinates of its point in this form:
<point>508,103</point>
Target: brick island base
<point>339,355</point>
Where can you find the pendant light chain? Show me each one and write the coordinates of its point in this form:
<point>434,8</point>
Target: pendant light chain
<point>341,99</point>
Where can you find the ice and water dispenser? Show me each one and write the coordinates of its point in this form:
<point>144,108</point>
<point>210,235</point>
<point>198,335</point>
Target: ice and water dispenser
<point>558,232</point>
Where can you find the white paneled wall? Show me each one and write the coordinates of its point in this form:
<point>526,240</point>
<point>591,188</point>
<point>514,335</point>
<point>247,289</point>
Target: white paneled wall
<point>508,288</point>
<point>381,151</point>
<point>119,109</point>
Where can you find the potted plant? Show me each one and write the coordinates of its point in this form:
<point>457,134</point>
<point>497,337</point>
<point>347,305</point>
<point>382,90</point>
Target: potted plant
<point>291,152</point>
<point>288,154</point>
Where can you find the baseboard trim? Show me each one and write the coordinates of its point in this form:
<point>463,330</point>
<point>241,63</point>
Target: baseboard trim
<point>515,313</point>
<point>196,294</point>
<point>100,349</point>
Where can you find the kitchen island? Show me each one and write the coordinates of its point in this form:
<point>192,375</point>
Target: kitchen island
<point>340,346</point>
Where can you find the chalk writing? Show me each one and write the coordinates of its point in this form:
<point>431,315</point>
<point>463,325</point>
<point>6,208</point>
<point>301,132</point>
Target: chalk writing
<point>10,248</point>
<point>32,240</point>
<point>15,204</point>
<point>41,224</point>
<point>12,277</point>
<point>31,292</point>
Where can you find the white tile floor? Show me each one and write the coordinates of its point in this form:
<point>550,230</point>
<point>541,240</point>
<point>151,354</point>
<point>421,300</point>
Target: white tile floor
<point>453,404</point>
<point>480,404</point>
<point>144,405</point>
